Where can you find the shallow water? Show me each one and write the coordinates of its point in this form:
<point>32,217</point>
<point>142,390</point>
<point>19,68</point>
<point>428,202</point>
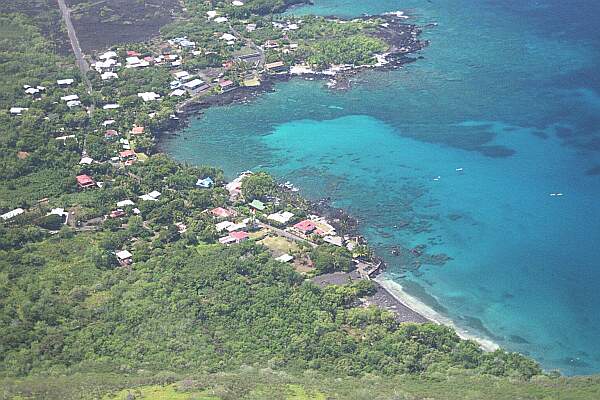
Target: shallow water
<point>509,94</point>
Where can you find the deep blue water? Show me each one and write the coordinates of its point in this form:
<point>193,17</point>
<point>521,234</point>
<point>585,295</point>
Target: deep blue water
<point>509,91</point>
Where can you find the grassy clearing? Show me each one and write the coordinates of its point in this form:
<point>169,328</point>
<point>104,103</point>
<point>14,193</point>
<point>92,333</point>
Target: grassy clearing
<point>279,245</point>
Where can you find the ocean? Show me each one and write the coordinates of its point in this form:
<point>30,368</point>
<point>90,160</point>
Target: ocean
<point>484,155</point>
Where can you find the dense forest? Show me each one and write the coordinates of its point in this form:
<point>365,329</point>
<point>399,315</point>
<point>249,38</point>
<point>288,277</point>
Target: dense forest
<point>189,317</point>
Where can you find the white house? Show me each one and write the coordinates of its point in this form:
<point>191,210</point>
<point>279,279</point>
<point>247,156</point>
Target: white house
<point>195,86</point>
<point>149,96</point>
<point>12,214</point>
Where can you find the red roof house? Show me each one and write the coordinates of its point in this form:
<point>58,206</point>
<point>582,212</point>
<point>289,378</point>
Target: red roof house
<point>222,212</point>
<point>239,236</point>
<point>137,130</point>
<point>132,53</point>
<point>305,226</point>
<point>127,155</point>
<point>111,134</point>
<point>85,181</point>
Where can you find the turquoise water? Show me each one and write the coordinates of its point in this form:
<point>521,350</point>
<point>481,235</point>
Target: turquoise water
<point>508,93</point>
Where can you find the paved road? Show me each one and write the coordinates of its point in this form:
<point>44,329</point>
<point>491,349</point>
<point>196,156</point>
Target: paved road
<point>81,62</point>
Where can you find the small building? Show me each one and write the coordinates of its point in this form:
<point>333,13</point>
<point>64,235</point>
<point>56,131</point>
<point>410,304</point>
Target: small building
<point>137,130</point>
<point>221,212</point>
<point>177,93</point>
<point>221,226</point>
<point>235,237</point>
<point>152,196</point>
<point>61,213</point>
<point>271,44</point>
<point>86,160</point>
<point>334,240</point>
<point>149,96</point>
<point>236,227</point>
<point>111,134</point>
<point>17,110</point>
<point>228,37</point>
<point>110,106</point>
<point>65,82</point>
<point>195,86</point>
<point>127,155</point>
<point>12,214</point>
<point>182,75</point>
<point>124,203</point>
<point>71,97</point>
<point>283,217</point>
<point>305,227</point>
<point>124,258</point>
<point>85,181</point>
<point>226,85</point>
<point>205,183</point>
<point>108,75</point>
<point>257,205</point>
<point>284,258</point>
<point>278,66</point>
<point>118,213</point>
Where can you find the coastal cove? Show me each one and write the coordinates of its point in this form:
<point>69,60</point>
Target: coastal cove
<point>460,153</point>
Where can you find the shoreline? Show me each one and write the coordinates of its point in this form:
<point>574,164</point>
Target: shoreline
<point>396,290</point>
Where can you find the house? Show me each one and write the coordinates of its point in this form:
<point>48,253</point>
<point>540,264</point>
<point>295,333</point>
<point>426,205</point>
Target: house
<point>221,212</point>
<point>127,155</point>
<point>86,161</point>
<point>111,134</point>
<point>211,14</point>
<point>85,181</point>
<point>124,257</point>
<point>182,75</point>
<point>137,130</point>
<point>61,213</point>
<point>132,53</point>
<point>118,213</point>
<point>22,155</point>
<point>108,55</point>
<point>236,227</point>
<point>152,196</point>
<point>220,20</point>
<point>221,226</point>
<point>205,183</point>
<point>177,93</point>
<point>174,85</point>
<point>257,205</point>
<point>108,75</point>
<point>65,82</point>
<point>235,237</point>
<point>195,86</point>
<point>278,66</point>
<point>71,97</point>
<point>271,44</point>
<point>237,3</point>
<point>250,27</point>
<point>12,214</point>
<point>108,122</point>
<point>124,203</point>
<point>305,227</point>
<point>226,85</point>
<point>284,258</point>
<point>73,103</point>
<point>149,96</point>
<point>283,217</point>
<point>110,106</point>
<point>334,240</point>
<point>228,37</point>
<point>18,110</point>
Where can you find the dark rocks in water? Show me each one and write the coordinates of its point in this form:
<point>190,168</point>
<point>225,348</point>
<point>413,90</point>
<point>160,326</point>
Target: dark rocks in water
<point>496,151</point>
<point>594,171</point>
<point>518,339</point>
<point>454,217</point>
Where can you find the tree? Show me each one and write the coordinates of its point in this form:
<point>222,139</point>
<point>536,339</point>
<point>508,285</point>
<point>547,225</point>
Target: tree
<point>258,186</point>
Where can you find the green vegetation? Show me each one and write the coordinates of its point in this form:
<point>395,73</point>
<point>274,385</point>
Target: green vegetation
<point>354,50</point>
